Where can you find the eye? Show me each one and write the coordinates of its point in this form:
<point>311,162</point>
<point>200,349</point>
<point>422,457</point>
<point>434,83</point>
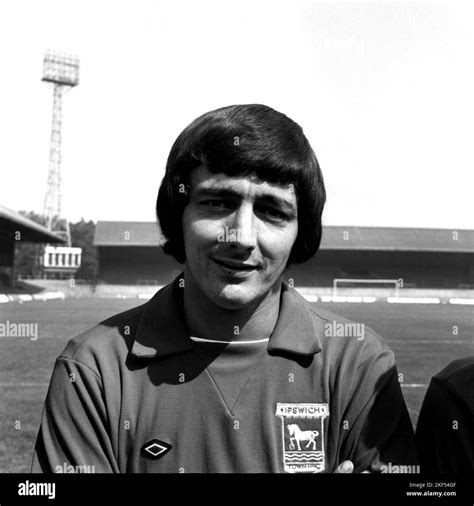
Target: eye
<point>271,211</point>
<point>215,204</point>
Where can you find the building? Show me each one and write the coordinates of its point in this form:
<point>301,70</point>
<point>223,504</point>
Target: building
<point>14,227</point>
<point>61,262</point>
<point>130,253</point>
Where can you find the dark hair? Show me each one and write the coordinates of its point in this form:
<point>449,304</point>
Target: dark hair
<point>244,140</point>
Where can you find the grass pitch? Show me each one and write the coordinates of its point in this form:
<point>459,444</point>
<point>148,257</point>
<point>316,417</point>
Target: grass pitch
<point>421,336</point>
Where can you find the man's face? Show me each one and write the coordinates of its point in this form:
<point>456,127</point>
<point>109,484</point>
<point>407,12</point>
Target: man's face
<point>238,235</point>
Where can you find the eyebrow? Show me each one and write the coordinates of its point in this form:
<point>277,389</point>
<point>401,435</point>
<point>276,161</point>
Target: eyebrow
<point>227,192</point>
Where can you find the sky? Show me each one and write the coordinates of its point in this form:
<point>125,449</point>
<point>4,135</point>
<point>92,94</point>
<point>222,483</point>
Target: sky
<point>382,89</point>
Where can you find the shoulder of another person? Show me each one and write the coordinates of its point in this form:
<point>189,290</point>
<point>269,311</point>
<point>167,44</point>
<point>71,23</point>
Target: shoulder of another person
<point>459,367</point>
<point>458,379</point>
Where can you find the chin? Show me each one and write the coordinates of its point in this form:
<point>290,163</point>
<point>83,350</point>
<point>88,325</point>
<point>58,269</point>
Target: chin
<point>232,297</point>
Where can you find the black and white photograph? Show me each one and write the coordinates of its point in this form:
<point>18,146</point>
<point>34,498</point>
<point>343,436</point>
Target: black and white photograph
<point>237,252</point>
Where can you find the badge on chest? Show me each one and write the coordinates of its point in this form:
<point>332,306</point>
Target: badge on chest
<point>302,432</point>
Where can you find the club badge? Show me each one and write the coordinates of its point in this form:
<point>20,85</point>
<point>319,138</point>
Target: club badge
<point>302,432</point>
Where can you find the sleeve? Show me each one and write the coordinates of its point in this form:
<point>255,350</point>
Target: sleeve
<point>380,432</point>
<point>74,426</point>
<point>445,431</point>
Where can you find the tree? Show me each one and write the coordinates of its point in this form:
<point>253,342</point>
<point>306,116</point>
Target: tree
<point>28,255</point>
<point>27,261</point>
<point>82,236</point>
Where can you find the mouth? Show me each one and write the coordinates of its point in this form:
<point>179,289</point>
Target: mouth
<point>232,265</point>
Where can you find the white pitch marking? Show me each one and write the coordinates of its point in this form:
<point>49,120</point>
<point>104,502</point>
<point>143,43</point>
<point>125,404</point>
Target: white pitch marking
<point>25,297</point>
<point>353,299</point>
<point>45,296</point>
<point>340,298</point>
<point>413,300</point>
<point>54,295</point>
<point>462,301</point>
<point>311,298</point>
<point>369,299</point>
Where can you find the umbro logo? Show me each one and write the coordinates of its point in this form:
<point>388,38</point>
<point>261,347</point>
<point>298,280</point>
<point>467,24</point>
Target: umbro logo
<point>155,449</point>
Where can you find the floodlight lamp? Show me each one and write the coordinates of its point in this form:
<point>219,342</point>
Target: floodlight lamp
<point>61,68</point>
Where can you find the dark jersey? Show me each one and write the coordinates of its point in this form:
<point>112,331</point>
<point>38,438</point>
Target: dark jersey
<point>137,394</point>
<point>445,429</point>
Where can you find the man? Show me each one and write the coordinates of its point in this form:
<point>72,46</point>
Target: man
<point>227,368</point>
<point>445,429</point>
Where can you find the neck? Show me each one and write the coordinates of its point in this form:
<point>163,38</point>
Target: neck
<point>207,320</point>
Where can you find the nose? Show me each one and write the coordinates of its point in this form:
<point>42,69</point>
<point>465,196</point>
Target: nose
<point>244,225</point>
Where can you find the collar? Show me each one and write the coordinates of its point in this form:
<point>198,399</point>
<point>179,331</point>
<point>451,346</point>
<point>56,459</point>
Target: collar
<point>162,330</point>
<point>298,328</point>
